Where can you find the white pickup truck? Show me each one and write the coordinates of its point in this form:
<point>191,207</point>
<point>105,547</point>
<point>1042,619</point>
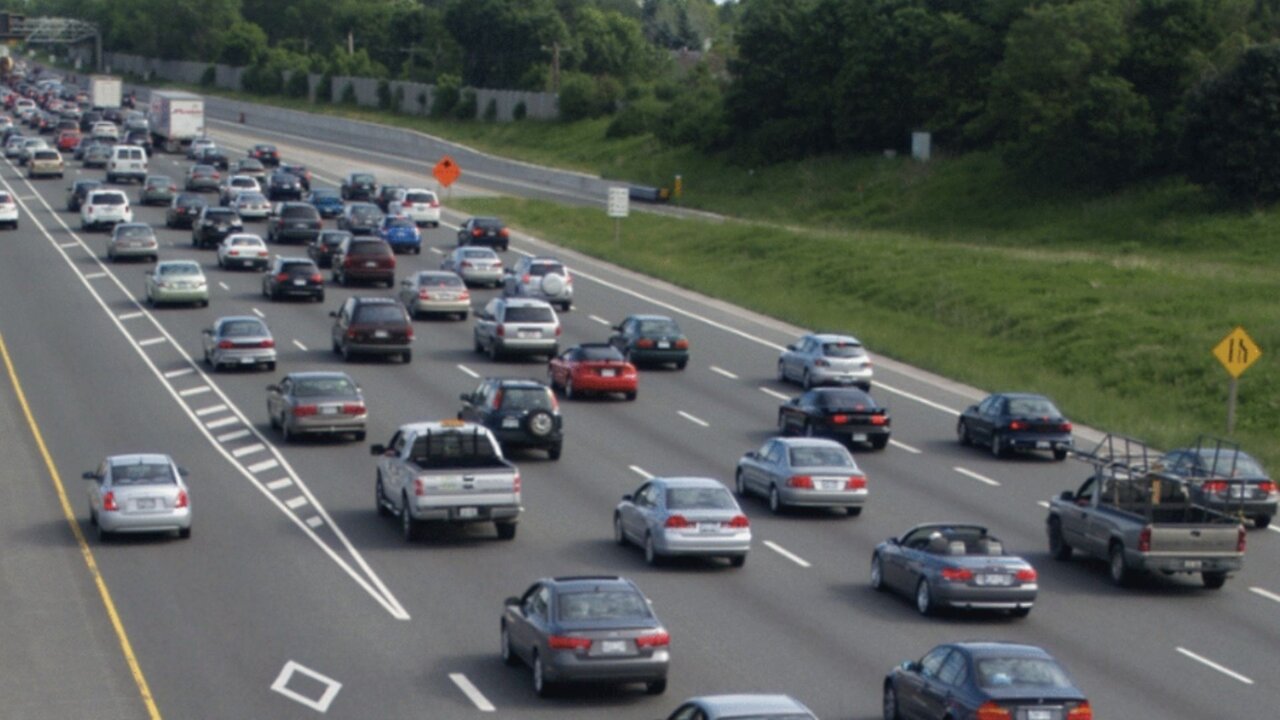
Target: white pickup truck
<point>448,471</point>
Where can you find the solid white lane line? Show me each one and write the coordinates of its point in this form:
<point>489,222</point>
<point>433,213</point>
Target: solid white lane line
<point>248,450</point>
<point>976,476</point>
<point>599,319</point>
<point>314,521</point>
<point>473,693</point>
<point>178,373</point>
<point>210,410</point>
<point>774,393</point>
<point>68,246</point>
<point>787,554</point>
<point>1220,668</point>
<point>904,446</point>
<point>723,372</point>
<point>94,275</point>
<point>257,312</point>
<point>295,503</point>
<point>150,341</point>
<point>640,471</point>
<point>1273,528</point>
<point>468,371</point>
<point>222,422</point>
<point>197,390</point>
<point>233,435</point>
<point>692,419</point>
<point>300,346</point>
<point>1265,593</point>
<point>130,315</point>
<point>278,484</point>
<point>264,465</point>
<point>223,285</point>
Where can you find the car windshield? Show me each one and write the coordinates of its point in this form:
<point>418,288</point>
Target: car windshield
<point>439,280</point>
<point>602,605</point>
<point>599,352</point>
<point>362,179</point>
<point>399,222</point>
<point>314,387</point>
<point>1230,464</point>
<point>141,473</point>
<point>817,456</point>
<point>529,314</point>
<point>530,398</point>
<point>658,327</point>
<point>845,400</point>
<point>699,498</point>
<point>1024,672</point>
<point>180,269</point>
<point>244,328</point>
<point>841,349</point>
<point>1032,406</point>
<point>379,313</point>
<point>134,232</point>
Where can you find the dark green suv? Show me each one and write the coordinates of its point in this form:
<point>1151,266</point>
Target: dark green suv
<point>520,413</point>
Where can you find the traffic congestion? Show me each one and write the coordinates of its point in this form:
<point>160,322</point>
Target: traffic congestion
<point>298,311</point>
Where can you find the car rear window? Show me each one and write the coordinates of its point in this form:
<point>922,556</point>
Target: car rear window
<point>453,448</point>
<point>180,269</point>
<point>251,197</point>
<point>379,313</point>
<point>325,195</point>
<point>155,180</point>
<point>257,242</point>
<point>244,328</point>
<point>658,327</point>
<point>244,182</point>
<point>811,456</point>
<point>298,268</point>
<point>1024,672</point>
<point>46,155</point>
<point>489,223</point>
<point>220,214</point>
<point>699,498</point>
<point>191,201</point>
<point>5,199</point>
<point>602,605</point>
<point>599,352</point>
<point>399,222</point>
<point>370,248</point>
<point>107,199</point>
<point>362,179</point>
<point>142,473</point>
<point>842,350</point>
<point>1230,464</point>
<point>134,232</point>
<point>526,398</point>
<point>529,314</point>
<point>846,399</point>
<point>365,213</point>
<point>131,154</point>
<point>546,268</point>
<point>300,212</point>
<point>313,387</point>
<point>334,237</point>
<point>482,254</point>
<point>420,197</point>
<point>439,280</point>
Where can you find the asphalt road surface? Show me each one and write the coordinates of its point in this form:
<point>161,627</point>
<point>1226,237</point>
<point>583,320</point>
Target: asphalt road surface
<point>293,598</point>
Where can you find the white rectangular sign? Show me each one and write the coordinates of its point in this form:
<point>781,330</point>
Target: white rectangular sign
<point>619,202</point>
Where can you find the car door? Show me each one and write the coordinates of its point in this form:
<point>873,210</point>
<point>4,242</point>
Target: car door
<point>473,408</point>
<point>95,488</point>
<point>989,418</point>
<point>343,321</point>
<point>772,466</point>
<point>487,321</point>
<point>560,367</point>
<point>752,466</point>
<point>911,685</point>
<point>409,290</point>
<point>520,628</point>
<point>938,691</point>
<point>278,400</point>
<point>396,475</point>
<point>1075,517</point>
<point>633,514</point>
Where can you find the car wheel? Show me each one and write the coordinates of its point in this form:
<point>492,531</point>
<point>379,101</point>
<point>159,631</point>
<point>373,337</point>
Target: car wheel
<point>997,445</point>
<point>1118,567</point>
<point>877,573</point>
<point>360,436</point>
<point>271,365</point>
<point>1059,453</point>
<point>809,430</point>
<point>854,511</point>
<point>346,353</point>
<point>1262,521</point>
<point>409,527</point>
<point>631,395</point>
<point>285,433</point>
<point>782,372</point>
<point>1213,580</point>
<point>681,364</point>
<point>656,687</point>
<point>891,703</point>
<point>805,381</point>
<point>493,351</point>
<point>509,658</point>
<point>406,357</point>
<point>783,428</point>
<point>184,533</point>
<point>651,555</point>
<point>540,685</point>
<point>737,560</point>
<point>93,517</point>
<point>775,500</point>
<point>879,443</point>
<point>104,536</point>
<point>273,422</point>
<point>1020,612</point>
<point>506,530</point>
<point>619,536</point>
<point>962,433</point>
<point>553,452</point>
<point>740,484</point>
<point>924,598</point>
<point>1058,546</point>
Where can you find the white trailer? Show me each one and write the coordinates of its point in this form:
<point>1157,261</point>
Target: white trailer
<point>105,91</point>
<point>177,118</point>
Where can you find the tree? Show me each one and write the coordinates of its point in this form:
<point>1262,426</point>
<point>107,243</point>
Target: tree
<point>243,43</point>
<point>608,44</point>
<point>501,39</point>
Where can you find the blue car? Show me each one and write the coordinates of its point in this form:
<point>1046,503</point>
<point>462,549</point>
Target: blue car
<point>328,202</point>
<point>401,234</point>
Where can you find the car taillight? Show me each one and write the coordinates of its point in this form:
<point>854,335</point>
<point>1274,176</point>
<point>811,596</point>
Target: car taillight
<point>515,484</point>
<point>467,264</point>
<point>317,278</point>
<point>225,345</point>
<point>1026,575</point>
<point>564,642</point>
<point>1080,712</point>
<point>821,363</point>
<point>348,261</point>
<point>1240,539</point>
<point>1065,427</point>
<point>991,711</point>
<point>655,639</point>
<point>497,398</point>
<point>503,232</point>
<point>840,419</point>
<point>408,333</point>
<point>879,419</point>
<point>268,343</point>
<point>419,488</point>
<point>527,277</point>
<point>502,331</point>
<point>407,204</point>
<point>957,574</point>
<point>173,188</point>
<point>682,344</point>
<point>109,502</point>
<point>1144,539</point>
<point>424,295</point>
<point>282,277</point>
<point>353,409</point>
<point>1267,487</point>
<point>677,521</point>
<point>644,343</point>
<point>559,330</point>
<point>304,410</point>
<point>476,232</point>
<point>1017,425</point>
<point>1215,487</point>
<point>855,482</point>
<point>217,175</point>
<point>182,500</point>
<point>739,521</point>
<point>464,295</point>
<point>800,481</point>
<point>434,203</point>
<point>351,333</point>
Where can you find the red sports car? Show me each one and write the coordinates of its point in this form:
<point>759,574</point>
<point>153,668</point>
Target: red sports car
<point>592,368</point>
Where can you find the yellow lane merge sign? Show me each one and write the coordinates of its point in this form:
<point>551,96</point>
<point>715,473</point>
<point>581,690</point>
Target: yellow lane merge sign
<point>1237,352</point>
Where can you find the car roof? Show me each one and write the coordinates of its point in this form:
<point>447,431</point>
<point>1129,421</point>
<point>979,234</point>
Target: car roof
<point>292,259</point>
<point>833,337</point>
<point>374,300</point>
<point>648,317</point>
<point>949,526</point>
<point>431,426</point>
<point>588,582</point>
<point>1021,396</point>
<point>729,705</point>
<point>138,458</point>
<point>318,375</point>
<point>524,302</point>
<point>681,481</point>
<point>792,442</point>
<point>179,263</point>
<point>517,382</point>
<point>239,318</point>
<point>241,236</point>
<point>595,345</point>
<point>995,648</point>
<point>105,191</point>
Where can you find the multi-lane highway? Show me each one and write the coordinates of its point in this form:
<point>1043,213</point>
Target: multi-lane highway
<point>294,598</point>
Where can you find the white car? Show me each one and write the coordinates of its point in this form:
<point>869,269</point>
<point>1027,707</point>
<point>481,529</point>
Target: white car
<point>243,250</point>
<point>420,206</point>
<point>8,210</point>
<point>251,205</point>
<point>105,129</point>
<point>197,146</point>
<point>105,208</point>
<point>235,184</point>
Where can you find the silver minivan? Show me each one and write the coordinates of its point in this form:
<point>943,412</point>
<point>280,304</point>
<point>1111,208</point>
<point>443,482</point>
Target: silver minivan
<point>128,162</point>
<point>517,326</point>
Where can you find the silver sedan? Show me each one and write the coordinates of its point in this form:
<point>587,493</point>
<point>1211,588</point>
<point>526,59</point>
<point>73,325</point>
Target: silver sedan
<point>139,494</point>
<point>803,472</point>
<point>824,359</point>
<point>475,265</point>
<point>250,205</point>
<point>133,240</point>
<point>755,707</point>
<point>317,403</point>
<point>683,516</point>
<point>239,341</point>
<point>435,292</point>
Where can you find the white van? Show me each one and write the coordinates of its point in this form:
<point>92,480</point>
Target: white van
<point>128,162</point>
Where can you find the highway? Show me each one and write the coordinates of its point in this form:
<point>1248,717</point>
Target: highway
<point>294,599</point>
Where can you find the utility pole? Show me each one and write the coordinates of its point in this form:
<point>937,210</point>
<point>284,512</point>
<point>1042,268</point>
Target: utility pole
<point>351,42</point>
<point>555,66</point>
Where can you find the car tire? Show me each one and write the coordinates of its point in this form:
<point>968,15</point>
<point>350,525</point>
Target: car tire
<point>680,364</point>
<point>651,556</point>
<point>1020,612</point>
<point>509,658</point>
<point>740,484</point>
<point>568,388</point>
<point>776,505</point>
<point>997,446</point>
<point>782,372</point>
<point>1058,547</point>
<point>273,422</point>
<point>184,533</point>
<point>553,452</point>
<point>1213,580</point>
<point>494,354</point>
<point>346,353</point>
<point>891,703</point>
<point>1262,521</point>
<point>285,433</point>
<point>360,435</point>
<point>406,357</point>
<point>1117,567</point>
<point>619,536</point>
<point>104,536</point>
<point>271,365</point>
<point>962,433</point>
<point>854,511</point>
<point>805,381</point>
<point>631,395</point>
<point>1059,454</point>
<point>506,530</point>
<point>877,573</point>
<point>924,598</point>
<point>541,687</point>
<point>411,529</point>
<point>656,687</point>
<point>783,428</point>
<point>879,443</point>
<point>809,430</point>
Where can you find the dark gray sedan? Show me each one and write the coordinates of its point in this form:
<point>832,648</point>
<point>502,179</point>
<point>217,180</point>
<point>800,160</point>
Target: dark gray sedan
<point>239,341</point>
<point>954,566</point>
<point>317,403</point>
<point>803,472</point>
<point>586,629</point>
<point>157,190</point>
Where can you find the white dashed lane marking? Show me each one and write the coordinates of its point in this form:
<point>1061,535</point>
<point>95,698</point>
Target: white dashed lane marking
<point>234,435</point>
<point>473,693</point>
<point>904,446</point>
<point>221,422</point>
<point>1265,593</point>
<point>774,393</point>
<point>130,315</point>
<point>223,285</point>
<point>150,341</point>
<point>197,390</point>
<point>264,465</point>
<point>722,371</point>
<point>1220,668</point>
<point>94,275</point>
<point>257,312</point>
<point>314,521</point>
<point>300,346</point>
<point>210,410</point>
<point>640,471</point>
<point>787,554</point>
<point>599,319</point>
<point>296,502</point>
<point>693,419</point>
<point>248,450</point>
<point>469,371</point>
<point>278,484</point>
<point>178,373</point>
<point>976,476</point>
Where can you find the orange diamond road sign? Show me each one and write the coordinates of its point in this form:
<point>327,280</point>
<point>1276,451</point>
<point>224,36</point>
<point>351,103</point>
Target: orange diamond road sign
<point>446,171</point>
<point>1237,352</point>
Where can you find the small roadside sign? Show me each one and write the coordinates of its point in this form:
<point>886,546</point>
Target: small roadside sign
<point>619,202</point>
<point>1237,352</point>
<point>446,171</point>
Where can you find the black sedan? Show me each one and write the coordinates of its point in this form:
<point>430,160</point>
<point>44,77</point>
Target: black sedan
<point>954,566</point>
<point>983,680</point>
<point>78,191</point>
<point>184,209</point>
<point>214,225</point>
<point>284,186</point>
<point>266,154</point>
<point>359,186</point>
<point>1015,421</point>
<point>360,218</point>
<point>1222,476</point>
<point>215,156</point>
<point>651,339</point>
<point>847,414</point>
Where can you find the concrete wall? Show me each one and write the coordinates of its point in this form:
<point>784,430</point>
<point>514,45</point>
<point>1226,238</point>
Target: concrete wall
<point>538,105</point>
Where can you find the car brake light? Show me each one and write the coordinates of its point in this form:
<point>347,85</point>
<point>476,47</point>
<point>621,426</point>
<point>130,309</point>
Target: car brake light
<point>559,330</point>
<point>564,642</point>
<point>407,204</point>
<point>856,482</point>
<point>502,331</point>
<point>464,295</point>
<point>419,488</point>
<point>879,419</point>
<point>1240,539</point>
<point>182,500</point>
<point>644,343</point>
<point>109,502</point>
<point>424,295</point>
<point>282,277</point>
<point>655,639</point>
<point>353,409</point>
<point>268,343</point>
<point>225,345</point>
<point>1017,425</point>
<point>434,203</point>
<point>677,521</point>
<point>840,419</point>
<point>173,188</point>
<point>476,233</point>
<point>1144,539</point>
<point>467,264</point>
<point>497,398</point>
<point>1080,712</point>
<point>348,261</point>
<point>526,278</point>
<point>991,711</point>
<point>1267,487</point>
<point>821,363</point>
<point>682,344</point>
<point>304,410</point>
<point>1026,575</point>
<point>1064,427</point>
<point>957,574</point>
<point>1215,487</point>
<point>503,232</point>
<point>317,278</point>
<point>217,175</point>
<point>739,521</point>
<point>800,481</point>
<point>515,484</point>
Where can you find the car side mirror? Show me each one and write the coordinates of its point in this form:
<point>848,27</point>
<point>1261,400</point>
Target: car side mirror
<point>893,541</point>
<point>465,397</point>
<point>508,271</point>
<point>1067,495</point>
<point>791,347</point>
<point>511,601</point>
<point>627,497</point>
<point>333,313</point>
<point>751,454</point>
<point>207,331</point>
<point>90,475</point>
<point>910,666</point>
<point>273,388</point>
<point>377,449</point>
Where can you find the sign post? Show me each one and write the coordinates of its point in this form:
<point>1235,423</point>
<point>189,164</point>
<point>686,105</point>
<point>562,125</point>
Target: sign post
<point>618,207</point>
<point>1237,351</point>
<point>446,172</point>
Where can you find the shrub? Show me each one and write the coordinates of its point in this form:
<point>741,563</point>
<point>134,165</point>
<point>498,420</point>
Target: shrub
<point>261,80</point>
<point>467,106</point>
<point>397,99</point>
<point>298,86</point>
<point>348,96</point>
<point>579,98</point>
<point>384,95</point>
<point>210,77</point>
<point>422,101</point>
<point>491,110</point>
<point>448,92</point>
<point>324,91</point>
<point>636,118</point>
<point>520,111</point>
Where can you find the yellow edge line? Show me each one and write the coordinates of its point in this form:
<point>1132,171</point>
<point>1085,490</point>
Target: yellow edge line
<point>134,668</point>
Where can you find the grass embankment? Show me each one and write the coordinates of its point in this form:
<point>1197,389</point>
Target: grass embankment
<point>1108,302</point>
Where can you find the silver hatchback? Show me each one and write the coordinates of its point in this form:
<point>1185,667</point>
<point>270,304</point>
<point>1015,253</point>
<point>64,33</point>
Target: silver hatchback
<point>133,240</point>
<point>239,341</point>
<point>825,359</point>
<point>803,472</point>
<point>141,493</point>
<point>509,326</point>
<point>475,265</point>
<point>683,516</point>
<point>317,403</point>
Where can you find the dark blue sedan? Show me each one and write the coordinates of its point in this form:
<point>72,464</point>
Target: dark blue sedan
<point>983,680</point>
<point>328,202</point>
<point>1006,422</point>
<point>401,234</point>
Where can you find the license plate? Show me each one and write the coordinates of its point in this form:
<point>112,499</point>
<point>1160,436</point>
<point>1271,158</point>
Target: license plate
<point>663,345</point>
<point>510,422</point>
<point>527,334</point>
<point>613,647</point>
<point>371,264</point>
<point>995,580</point>
<point>381,334</point>
<point>300,226</point>
<point>830,484</point>
<point>247,361</point>
<point>1042,445</point>
<point>1040,715</point>
<point>708,527</point>
<point>146,504</point>
<point>1192,564</point>
<point>299,283</point>
<point>608,373</point>
<point>468,512</point>
<point>859,437</point>
<point>329,410</point>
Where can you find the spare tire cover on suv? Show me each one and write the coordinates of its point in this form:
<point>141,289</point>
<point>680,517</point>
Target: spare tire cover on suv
<point>553,284</point>
<point>539,423</point>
